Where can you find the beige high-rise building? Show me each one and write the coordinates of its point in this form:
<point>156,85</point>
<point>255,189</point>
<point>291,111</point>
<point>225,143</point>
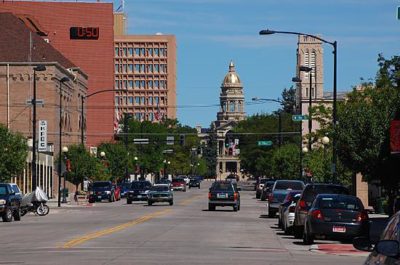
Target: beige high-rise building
<point>145,71</point>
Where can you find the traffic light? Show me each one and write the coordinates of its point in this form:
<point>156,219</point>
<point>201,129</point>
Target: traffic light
<point>182,139</point>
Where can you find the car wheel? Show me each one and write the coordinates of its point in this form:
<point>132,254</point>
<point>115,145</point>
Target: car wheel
<point>308,238</point>
<point>211,207</point>
<point>7,216</point>
<point>238,207</point>
<point>297,232</point>
<point>271,213</point>
<point>91,201</point>
<point>128,202</point>
<point>17,214</point>
<point>235,208</point>
<point>171,203</point>
<point>149,203</point>
<point>199,186</point>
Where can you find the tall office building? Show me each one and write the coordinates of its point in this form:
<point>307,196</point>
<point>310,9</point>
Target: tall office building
<point>145,71</point>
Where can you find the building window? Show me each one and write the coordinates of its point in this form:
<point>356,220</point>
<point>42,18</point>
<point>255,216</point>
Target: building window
<point>142,100</point>
<point>137,100</point>
<point>151,116</point>
<point>162,84</point>
<point>116,101</point>
<point>150,68</point>
<point>137,116</point>
<point>116,52</point>
<point>130,52</point>
<point>156,84</point>
<point>142,84</point>
<point>125,84</point>
<point>137,51</point>
<point>137,84</point>
<point>116,68</point>
<point>125,68</point>
<point>150,52</point>
<point>150,100</point>
<point>137,68</point>
<point>157,100</point>
<point>116,84</point>
<point>125,52</point>
<point>240,106</point>
<point>130,67</point>
<point>130,100</point>
<point>156,52</point>
<point>162,52</point>
<point>232,106</point>
<point>150,84</point>
<point>157,68</point>
<point>130,82</point>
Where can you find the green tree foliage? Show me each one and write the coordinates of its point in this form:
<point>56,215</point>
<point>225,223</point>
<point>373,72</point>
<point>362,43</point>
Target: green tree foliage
<point>116,159</point>
<point>363,129</point>
<point>13,155</point>
<point>83,165</point>
<point>285,162</point>
<point>288,100</point>
<point>260,127</point>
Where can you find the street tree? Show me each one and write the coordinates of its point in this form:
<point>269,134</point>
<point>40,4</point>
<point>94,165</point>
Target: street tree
<point>13,156</point>
<point>285,162</point>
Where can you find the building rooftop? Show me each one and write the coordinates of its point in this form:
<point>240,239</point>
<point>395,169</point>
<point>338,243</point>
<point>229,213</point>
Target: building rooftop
<point>19,44</point>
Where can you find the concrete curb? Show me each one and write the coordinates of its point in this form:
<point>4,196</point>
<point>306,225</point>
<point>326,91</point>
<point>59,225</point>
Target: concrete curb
<point>338,249</point>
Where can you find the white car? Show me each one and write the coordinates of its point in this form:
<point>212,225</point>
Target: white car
<point>186,178</point>
<point>288,216</point>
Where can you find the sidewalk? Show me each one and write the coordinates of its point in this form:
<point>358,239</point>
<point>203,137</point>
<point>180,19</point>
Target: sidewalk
<point>70,203</point>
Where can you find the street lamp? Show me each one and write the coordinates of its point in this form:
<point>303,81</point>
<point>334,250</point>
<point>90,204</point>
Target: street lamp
<point>102,154</point>
<point>136,159</point>
<point>39,68</point>
<point>334,110</point>
<point>308,70</point>
<point>166,163</point>
<point>65,151</point>
<point>280,140</point>
<point>325,140</point>
<point>62,80</point>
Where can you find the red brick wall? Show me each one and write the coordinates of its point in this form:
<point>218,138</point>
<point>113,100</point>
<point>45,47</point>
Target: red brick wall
<point>95,57</point>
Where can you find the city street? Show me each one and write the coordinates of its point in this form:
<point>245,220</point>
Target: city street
<point>117,233</point>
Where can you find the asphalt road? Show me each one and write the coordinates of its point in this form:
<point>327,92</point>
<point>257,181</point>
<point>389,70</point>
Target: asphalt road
<point>185,233</point>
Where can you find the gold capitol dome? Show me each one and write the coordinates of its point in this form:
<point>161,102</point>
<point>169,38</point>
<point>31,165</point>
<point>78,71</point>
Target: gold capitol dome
<point>231,78</point>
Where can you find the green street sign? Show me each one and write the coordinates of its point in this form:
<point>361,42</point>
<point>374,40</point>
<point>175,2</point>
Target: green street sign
<point>264,143</point>
<point>299,117</point>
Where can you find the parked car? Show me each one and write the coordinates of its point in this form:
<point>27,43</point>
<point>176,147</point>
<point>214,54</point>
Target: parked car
<point>178,184</point>
<point>278,193</point>
<point>335,216</point>
<point>223,193</point>
<point>288,215</point>
<point>125,187</point>
<point>184,177</point>
<point>138,191</point>
<point>10,203</point>
<point>307,198</point>
<point>387,249</point>
<point>160,193</point>
<point>102,190</point>
<point>194,183</point>
<point>164,181</point>
<point>289,199</point>
<point>117,192</point>
<point>16,189</point>
<point>266,190</point>
<point>259,186</point>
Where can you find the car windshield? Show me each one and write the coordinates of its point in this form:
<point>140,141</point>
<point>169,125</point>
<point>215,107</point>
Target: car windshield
<point>222,186</point>
<point>311,193</point>
<point>178,180</point>
<point>289,185</point>
<point>101,184</point>
<point>139,185</point>
<point>125,185</point>
<point>159,188</point>
<point>270,183</point>
<point>339,202</point>
<point>3,190</point>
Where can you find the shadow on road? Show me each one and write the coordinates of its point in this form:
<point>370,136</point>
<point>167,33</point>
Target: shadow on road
<point>206,210</point>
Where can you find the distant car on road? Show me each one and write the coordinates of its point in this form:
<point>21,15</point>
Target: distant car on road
<point>125,186</point>
<point>184,177</point>
<point>266,190</point>
<point>10,203</point>
<point>223,193</point>
<point>102,190</point>
<point>194,183</point>
<point>278,193</point>
<point>179,184</point>
<point>291,197</point>
<point>288,215</point>
<point>259,186</point>
<point>335,216</point>
<point>160,193</point>
<point>138,191</point>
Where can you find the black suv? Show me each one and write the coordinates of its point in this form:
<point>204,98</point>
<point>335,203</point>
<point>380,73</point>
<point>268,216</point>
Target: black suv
<point>223,193</point>
<point>138,191</point>
<point>194,183</point>
<point>307,198</point>
<point>102,190</point>
<point>10,203</point>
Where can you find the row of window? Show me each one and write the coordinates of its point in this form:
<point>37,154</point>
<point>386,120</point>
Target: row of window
<point>140,52</point>
<point>233,106</point>
<point>130,100</point>
<point>140,84</point>
<point>140,68</point>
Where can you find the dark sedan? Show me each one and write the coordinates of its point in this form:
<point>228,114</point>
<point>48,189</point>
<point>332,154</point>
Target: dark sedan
<point>335,216</point>
<point>194,183</point>
<point>10,203</point>
<point>138,191</point>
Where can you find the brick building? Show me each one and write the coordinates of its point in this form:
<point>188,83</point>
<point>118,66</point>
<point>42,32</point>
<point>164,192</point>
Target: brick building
<point>20,51</point>
<point>83,33</point>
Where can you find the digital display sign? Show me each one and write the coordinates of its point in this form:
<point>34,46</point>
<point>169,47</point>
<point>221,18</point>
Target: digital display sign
<point>84,33</point>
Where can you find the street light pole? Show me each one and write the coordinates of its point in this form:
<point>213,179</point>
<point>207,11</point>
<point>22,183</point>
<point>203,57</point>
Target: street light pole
<point>334,108</point>
<point>62,80</point>
<point>65,151</point>
<point>39,68</point>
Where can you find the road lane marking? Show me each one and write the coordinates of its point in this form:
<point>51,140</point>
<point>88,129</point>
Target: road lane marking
<point>189,200</point>
<point>82,239</point>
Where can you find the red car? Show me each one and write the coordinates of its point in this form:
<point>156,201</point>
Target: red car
<point>117,192</point>
<point>178,184</point>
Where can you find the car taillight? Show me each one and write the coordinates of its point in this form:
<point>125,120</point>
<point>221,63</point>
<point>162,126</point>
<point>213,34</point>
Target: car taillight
<point>271,197</point>
<point>317,214</point>
<point>302,205</point>
<point>209,195</point>
<point>235,196</point>
<point>291,209</point>
<point>362,216</point>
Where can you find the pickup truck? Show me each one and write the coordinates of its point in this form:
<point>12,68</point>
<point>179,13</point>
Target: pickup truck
<point>10,203</point>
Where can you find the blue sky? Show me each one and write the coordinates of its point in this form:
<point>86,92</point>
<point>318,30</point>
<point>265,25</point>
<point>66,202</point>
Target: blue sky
<point>210,33</point>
